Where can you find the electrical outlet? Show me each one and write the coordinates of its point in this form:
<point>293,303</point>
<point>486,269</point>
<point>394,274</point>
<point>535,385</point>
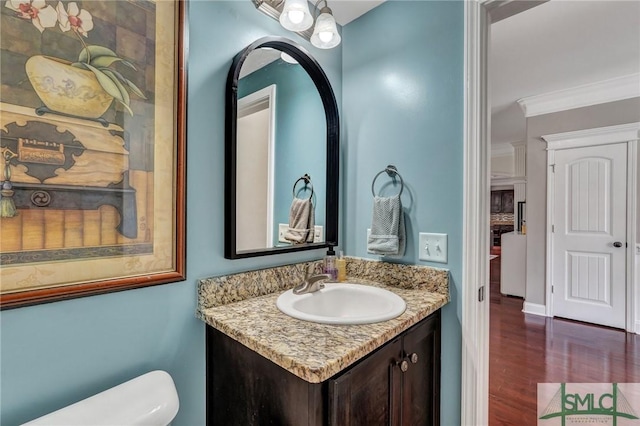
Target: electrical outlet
<point>432,247</point>
<point>318,234</point>
<point>282,229</point>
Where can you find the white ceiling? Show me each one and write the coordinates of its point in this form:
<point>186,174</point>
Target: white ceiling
<point>258,59</point>
<point>558,45</point>
<point>346,11</point>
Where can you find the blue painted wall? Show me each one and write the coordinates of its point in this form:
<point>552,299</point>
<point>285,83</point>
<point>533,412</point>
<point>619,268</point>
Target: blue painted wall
<point>403,105</point>
<point>55,354</point>
<point>301,135</point>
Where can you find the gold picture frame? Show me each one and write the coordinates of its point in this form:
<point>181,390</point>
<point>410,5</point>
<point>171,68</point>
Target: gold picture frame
<point>93,140</point>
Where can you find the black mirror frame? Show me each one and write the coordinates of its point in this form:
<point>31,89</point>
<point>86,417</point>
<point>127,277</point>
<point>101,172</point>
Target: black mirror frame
<point>328,98</point>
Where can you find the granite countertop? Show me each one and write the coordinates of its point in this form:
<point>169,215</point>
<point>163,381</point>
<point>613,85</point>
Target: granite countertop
<point>238,306</point>
<point>502,223</point>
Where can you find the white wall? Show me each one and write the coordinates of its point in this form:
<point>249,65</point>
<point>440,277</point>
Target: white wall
<point>609,114</point>
<point>502,165</point>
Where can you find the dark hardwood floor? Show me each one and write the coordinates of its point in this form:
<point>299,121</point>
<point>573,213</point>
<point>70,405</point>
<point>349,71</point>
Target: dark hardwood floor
<point>528,349</point>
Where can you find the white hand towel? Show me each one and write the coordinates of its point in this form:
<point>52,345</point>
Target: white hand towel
<point>387,236</point>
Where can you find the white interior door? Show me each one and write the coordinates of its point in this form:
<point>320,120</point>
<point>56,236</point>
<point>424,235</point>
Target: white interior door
<point>252,229</point>
<point>256,159</point>
<point>589,218</point>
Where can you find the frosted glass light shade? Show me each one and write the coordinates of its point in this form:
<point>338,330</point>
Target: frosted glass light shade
<point>295,15</point>
<point>325,34</point>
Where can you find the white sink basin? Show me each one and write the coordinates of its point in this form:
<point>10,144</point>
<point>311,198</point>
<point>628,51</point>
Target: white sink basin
<point>343,303</point>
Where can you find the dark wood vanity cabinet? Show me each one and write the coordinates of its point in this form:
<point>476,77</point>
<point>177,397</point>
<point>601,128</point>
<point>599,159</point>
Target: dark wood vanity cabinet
<point>397,384</point>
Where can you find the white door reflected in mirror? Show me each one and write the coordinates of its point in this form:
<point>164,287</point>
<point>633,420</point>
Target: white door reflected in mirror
<point>256,139</point>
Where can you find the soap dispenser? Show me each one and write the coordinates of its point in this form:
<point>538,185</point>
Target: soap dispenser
<point>330,264</point>
<point>341,266</point>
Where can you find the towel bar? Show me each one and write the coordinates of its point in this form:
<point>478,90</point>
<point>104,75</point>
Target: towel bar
<point>392,171</point>
<point>307,181</point>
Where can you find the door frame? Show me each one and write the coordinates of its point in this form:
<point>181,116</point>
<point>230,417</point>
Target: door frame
<point>625,133</point>
<point>478,16</point>
<point>474,316</point>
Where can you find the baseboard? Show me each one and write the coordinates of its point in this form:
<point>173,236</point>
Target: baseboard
<point>534,309</point>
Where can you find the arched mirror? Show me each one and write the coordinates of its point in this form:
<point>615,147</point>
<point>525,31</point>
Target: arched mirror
<point>282,153</point>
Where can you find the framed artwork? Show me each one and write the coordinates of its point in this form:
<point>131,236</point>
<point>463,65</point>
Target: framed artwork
<point>92,136</point>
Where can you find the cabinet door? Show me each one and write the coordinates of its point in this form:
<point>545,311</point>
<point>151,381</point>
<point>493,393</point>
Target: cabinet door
<point>507,201</point>
<point>244,388</point>
<point>368,394</point>
<point>496,201</point>
<point>421,381</point>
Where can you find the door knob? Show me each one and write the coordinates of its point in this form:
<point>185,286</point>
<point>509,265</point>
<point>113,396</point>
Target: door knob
<point>617,244</point>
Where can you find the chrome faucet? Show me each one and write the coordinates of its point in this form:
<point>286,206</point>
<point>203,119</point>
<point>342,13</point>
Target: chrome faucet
<point>311,283</point>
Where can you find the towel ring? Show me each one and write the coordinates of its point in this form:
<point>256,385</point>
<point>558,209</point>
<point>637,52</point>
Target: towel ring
<point>392,172</point>
<point>307,181</point>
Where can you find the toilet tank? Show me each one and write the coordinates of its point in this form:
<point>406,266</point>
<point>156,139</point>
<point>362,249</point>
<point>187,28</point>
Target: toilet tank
<point>150,399</point>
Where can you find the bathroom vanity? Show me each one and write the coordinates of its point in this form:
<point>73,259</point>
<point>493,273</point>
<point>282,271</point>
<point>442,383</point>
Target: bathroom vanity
<point>397,384</point>
<point>264,367</point>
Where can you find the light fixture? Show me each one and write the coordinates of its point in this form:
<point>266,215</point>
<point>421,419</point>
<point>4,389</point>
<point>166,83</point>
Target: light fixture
<point>296,16</point>
<point>325,33</point>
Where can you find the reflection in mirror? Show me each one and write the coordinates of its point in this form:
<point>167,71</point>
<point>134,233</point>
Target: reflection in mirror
<point>281,136</point>
<point>281,155</point>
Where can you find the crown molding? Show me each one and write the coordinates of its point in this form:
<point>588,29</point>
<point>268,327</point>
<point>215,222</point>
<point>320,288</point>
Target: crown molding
<point>503,9</point>
<point>507,180</point>
<point>615,89</point>
<point>596,136</point>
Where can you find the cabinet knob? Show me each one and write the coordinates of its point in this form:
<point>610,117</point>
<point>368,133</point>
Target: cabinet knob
<point>414,358</point>
<point>404,366</point>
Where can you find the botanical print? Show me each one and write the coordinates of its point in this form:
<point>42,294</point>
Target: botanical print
<point>75,95</point>
<point>84,123</point>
